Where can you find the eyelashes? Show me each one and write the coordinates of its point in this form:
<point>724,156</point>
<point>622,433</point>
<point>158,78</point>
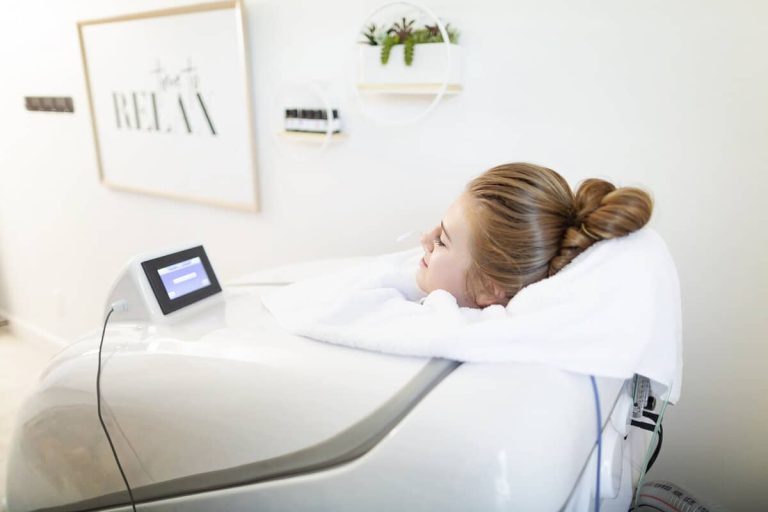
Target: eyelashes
<point>439,242</point>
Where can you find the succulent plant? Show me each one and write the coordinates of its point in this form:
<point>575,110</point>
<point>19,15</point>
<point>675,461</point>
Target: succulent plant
<point>402,30</point>
<point>370,35</point>
<point>386,47</point>
<point>434,35</point>
<point>408,51</point>
<point>453,34</point>
<point>432,30</point>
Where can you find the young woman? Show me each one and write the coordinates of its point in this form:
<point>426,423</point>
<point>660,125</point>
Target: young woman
<point>517,224</point>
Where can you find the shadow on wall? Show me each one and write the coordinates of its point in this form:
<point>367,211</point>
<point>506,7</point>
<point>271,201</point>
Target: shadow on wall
<point>3,294</point>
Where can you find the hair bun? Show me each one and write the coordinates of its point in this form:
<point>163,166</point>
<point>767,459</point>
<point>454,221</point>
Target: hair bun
<point>589,197</point>
<point>609,212</point>
<point>602,212</point>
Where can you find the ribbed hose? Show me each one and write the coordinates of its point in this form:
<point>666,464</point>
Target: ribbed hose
<point>668,497</point>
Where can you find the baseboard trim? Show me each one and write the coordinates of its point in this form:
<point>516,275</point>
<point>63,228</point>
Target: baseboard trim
<point>25,329</point>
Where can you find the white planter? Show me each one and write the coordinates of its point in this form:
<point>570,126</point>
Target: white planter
<point>426,74</point>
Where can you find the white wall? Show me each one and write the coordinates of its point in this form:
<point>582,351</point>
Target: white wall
<point>667,95</point>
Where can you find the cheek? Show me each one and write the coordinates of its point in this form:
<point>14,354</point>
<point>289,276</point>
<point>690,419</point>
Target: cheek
<point>444,273</point>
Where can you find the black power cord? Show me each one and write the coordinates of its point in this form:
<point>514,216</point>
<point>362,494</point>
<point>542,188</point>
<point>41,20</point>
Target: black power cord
<point>657,450</point>
<point>650,427</point>
<point>98,409</point>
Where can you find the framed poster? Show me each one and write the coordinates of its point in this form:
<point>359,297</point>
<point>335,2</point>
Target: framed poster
<point>170,106</point>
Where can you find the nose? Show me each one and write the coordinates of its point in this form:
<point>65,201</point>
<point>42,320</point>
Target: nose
<point>427,242</point>
<point>428,239</point>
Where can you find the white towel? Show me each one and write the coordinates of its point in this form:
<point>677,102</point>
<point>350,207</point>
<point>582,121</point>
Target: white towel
<point>613,311</point>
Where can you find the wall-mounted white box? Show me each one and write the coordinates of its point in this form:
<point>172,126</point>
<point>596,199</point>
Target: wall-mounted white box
<point>433,65</point>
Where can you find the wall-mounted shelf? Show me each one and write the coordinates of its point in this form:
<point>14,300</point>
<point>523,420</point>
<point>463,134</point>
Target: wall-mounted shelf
<point>433,66</point>
<point>308,136</point>
<point>309,118</point>
<point>430,89</point>
<point>407,52</point>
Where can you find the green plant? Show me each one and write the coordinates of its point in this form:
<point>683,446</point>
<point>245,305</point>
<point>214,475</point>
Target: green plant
<point>408,51</point>
<point>402,32</point>
<point>386,47</point>
<point>434,35</point>
<point>370,35</point>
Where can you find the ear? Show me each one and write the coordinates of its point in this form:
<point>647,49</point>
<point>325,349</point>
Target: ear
<point>491,294</point>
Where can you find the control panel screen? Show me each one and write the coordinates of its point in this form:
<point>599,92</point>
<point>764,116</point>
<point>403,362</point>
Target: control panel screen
<point>181,278</point>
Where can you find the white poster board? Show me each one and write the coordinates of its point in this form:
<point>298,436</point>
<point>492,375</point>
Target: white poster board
<point>170,106</point>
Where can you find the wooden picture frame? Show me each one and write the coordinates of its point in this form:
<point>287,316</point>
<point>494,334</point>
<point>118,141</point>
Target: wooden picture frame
<point>169,97</point>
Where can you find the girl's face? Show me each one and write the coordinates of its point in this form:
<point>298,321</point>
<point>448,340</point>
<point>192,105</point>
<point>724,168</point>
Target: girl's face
<point>446,255</point>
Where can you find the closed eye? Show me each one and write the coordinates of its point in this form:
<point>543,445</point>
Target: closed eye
<point>439,242</point>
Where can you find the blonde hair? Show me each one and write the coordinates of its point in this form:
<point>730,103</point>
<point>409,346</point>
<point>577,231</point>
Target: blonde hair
<point>526,224</point>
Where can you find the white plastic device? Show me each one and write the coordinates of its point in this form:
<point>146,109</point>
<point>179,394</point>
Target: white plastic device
<point>133,297</point>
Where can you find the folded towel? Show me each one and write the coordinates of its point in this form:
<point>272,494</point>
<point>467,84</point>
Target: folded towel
<point>614,311</point>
